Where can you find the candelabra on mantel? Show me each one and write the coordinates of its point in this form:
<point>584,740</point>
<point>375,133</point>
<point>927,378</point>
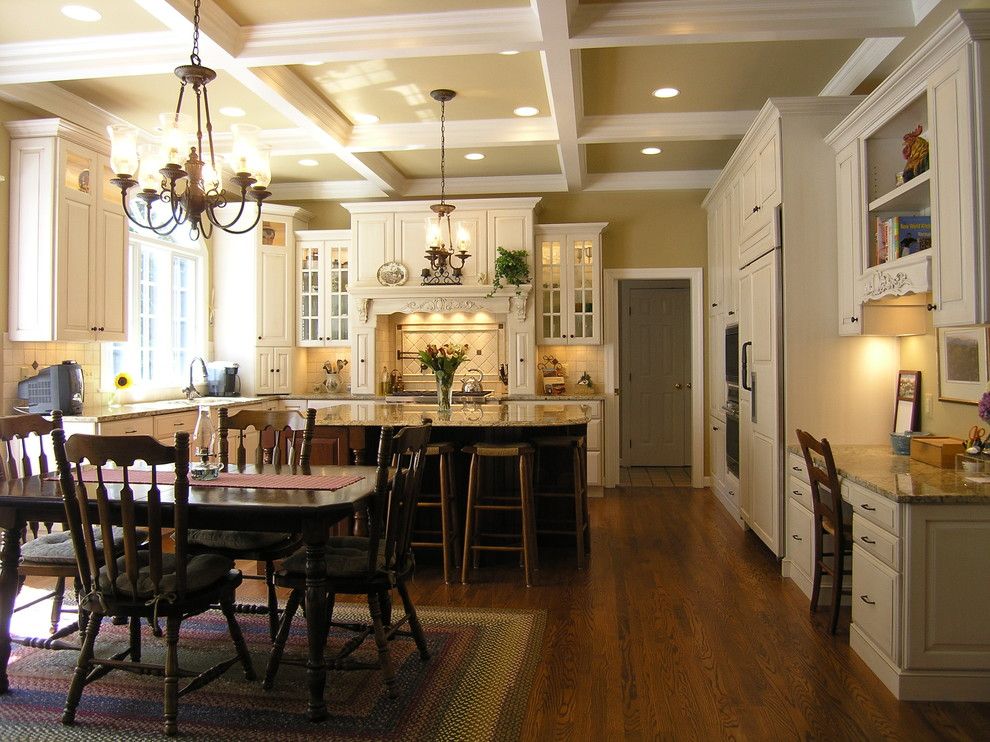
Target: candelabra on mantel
<point>442,270</point>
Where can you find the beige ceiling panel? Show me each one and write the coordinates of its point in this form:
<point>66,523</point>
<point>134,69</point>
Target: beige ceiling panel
<point>540,160</point>
<point>253,12</point>
<point>488,86</point>
<point>40,20</point>
<point>140,100</point>
<point>286,169</point>
<point>627,157</point>
<point>711,77</point>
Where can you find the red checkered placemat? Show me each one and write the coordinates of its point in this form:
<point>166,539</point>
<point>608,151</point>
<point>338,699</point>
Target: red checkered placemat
<point>233,479</point>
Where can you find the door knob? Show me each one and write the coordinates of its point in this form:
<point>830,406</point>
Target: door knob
<point>678,386</point>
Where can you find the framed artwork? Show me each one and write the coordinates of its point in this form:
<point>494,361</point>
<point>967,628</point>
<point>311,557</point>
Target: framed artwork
<point>907,405</point>
<point>962,364</point>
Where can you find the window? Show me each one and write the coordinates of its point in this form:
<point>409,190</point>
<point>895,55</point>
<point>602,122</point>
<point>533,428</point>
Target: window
<point>167,323</point>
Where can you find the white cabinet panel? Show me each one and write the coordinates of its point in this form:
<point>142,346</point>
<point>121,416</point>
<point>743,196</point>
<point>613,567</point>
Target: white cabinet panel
<point>411,240</point>
<point>363,360</point>
<point>800,538</point>
<point>849,228</point>
<point>875,601</point>
<point>274,287</point>
<point>373,244</point>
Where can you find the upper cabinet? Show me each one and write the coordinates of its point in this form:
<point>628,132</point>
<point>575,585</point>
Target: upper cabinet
<point>909,220</point>
<point>758,189</point>
<point>568,281</point>
<point>68,236</point>
<point>322,278</point>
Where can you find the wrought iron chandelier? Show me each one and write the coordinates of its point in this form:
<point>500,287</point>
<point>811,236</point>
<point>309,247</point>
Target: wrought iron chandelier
<point>442,270</point>
<point>192,192</point>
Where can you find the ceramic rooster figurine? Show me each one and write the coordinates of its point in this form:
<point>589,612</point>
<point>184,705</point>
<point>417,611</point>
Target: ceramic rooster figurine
<point>915,153</point>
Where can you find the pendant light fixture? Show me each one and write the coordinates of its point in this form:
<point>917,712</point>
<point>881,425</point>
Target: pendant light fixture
<point>440,254</point>
<point>176,175</point>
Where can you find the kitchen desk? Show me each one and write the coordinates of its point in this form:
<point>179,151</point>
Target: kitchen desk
<point>310,512</point>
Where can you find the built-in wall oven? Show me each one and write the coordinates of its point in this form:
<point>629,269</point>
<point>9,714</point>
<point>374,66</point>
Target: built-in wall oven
<point>731,408</point>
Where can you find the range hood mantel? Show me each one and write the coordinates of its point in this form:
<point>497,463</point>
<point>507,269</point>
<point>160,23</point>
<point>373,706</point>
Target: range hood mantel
<point>375,300</point>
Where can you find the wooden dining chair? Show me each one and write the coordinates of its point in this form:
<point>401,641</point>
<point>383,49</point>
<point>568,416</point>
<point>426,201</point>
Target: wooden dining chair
<point>45,552</point>
<point>279,445</point>
<point>371,566</point>
<point>829,520</point>
<point>149,583</point>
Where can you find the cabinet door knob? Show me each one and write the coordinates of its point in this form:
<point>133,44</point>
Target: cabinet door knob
<point>714,427</point>
<point>101,329</point>
<point>854,319</point>
<point>714,304</point>
<point>259,337</point>
<point>678,386</point>
<point>731,312</point>
<point>271,370</point>
<point>362,360</point>
<point>93,328</point>
<point>755,209</point>
<point>932,307</point>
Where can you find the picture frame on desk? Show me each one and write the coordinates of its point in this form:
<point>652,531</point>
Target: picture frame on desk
<point>907,404</point>
<point>962,363</point>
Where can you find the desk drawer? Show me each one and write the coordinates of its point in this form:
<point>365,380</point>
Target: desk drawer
<point>875,508</point>
<point>876,541</point>
<point>134,426</point>
<point>796,467</point>
<point>874,600</point>
<point>168,425</point>
<point>800,491</point>
<point>800,537</point>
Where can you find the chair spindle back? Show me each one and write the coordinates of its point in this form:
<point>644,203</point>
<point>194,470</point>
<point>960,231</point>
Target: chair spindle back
<point>281,428</point>
<point>827,505</point>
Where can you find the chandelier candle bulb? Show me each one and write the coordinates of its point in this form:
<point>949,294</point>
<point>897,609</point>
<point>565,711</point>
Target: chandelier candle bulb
<point>176,128</point>
<point>124,152</point>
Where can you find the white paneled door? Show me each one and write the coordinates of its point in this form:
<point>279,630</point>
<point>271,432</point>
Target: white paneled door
<point>656,375</point>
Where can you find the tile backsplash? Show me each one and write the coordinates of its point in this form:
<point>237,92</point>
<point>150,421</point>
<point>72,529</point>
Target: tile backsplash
<point>19,360</point>
<point>576,359</point>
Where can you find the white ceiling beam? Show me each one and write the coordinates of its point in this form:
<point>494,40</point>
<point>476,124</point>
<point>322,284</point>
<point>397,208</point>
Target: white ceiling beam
<point>485,31</point>
<point>663,180</point>
<point>277,86</point>
<point>922,8</point>
<point>718,21</point>
<point>562,72</point>
<point>332,190</point>
<point>860,64</point>
<point>638,127</point>
<point>489,184</point>
<point>474,133</point>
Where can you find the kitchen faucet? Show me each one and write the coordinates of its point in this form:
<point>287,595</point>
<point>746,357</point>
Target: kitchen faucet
<point>190,391</point>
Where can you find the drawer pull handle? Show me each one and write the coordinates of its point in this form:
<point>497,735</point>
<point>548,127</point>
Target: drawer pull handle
<point>796,468</point>
<point>867,540</point>
<point>128,432</point>
<point>866,599</point>
<point>796,537</point>
<point>868,507</point>
<point>796,492</point>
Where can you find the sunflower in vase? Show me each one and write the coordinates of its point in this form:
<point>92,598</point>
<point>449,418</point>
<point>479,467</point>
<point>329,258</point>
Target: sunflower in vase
<point>121,382</point>
<point>443,361</point>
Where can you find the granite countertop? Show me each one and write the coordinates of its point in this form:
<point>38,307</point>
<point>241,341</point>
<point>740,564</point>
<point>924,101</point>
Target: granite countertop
<point>102,413</point>
<point>493,397</point>
<point>902,479</point>
<point>368,414</point>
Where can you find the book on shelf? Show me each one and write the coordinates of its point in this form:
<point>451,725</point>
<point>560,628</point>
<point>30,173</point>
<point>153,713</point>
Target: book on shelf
<point>899,236</point>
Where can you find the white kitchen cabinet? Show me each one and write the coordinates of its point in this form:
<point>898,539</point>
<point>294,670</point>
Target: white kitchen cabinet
<point>716,432</point>
<point>759,194</point>
<point>716,262</point>
<point>934,88</point>
<point>322,277</point>
<point>68,236</point>
<point>568,284</point>
<point>259,334</point>
<point>363,360</point>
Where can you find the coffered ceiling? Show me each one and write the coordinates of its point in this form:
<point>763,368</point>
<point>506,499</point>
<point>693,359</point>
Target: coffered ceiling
<point>345,84</point>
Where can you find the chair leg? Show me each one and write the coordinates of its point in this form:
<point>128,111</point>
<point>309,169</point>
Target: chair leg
<point>816,579</point>
<point>578,508</point>
<point>469,517</point>
<point>384,656</point>
<point>455,520</point>
<point>227,607</point>
<point>278,646</point>
<point>837,580</point>
<point>171,713</point>
<point>82,669</point>
<point>58,595</point>
<point>135,637</point>
<point>445,517</point>
<point>530,560</point>
<point>414,626</point>
<point>272,599</point>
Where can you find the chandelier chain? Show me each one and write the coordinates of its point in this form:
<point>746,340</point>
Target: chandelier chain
<point>194,57</point>
<point>443,150</point>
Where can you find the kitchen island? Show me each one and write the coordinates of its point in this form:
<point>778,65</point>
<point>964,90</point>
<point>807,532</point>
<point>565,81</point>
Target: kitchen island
<point>921,548</point>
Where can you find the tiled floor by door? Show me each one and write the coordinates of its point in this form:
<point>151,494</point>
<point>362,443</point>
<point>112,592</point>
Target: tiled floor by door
<point>655,476</point>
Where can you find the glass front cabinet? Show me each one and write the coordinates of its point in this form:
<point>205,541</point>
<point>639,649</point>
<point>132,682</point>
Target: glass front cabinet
<point>569,283</point>
<point>322,270</point>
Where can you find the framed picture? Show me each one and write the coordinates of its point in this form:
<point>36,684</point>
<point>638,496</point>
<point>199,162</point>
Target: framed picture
<point>907,406</point>
<point>962,364</point>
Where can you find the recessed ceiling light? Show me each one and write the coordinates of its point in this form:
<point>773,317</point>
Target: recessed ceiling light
<point>474,156</point>
<point>313,64</point>
<point>81,13</point>
<point>666,92</point>
<point>232,111</point>
<point>509,52</point>
<point>526,111</point>
<point>651,150</point>
<point>366,118</point>
<point>309,162</point>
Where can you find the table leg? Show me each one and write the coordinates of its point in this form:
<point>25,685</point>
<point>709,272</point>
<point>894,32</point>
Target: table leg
<point>10,554</point>
<point>317,622</point>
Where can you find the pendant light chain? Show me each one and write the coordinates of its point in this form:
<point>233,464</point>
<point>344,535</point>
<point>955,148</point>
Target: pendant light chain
<point>194,57</point>
<point>443,150</point>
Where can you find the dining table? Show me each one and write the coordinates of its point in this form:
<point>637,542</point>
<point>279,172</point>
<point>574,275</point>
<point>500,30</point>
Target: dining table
<point>242,499</point>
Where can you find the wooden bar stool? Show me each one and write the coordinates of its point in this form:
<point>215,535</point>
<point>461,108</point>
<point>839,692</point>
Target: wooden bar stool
<point>523,502</point>
<point>446,502</point>
<point>578,491</point>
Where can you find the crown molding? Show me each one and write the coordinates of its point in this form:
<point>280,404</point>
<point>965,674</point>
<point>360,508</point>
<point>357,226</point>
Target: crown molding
<point>860,64</point>
<point>57,127</point>
<point>637,127</point>
<point>660,180</point>
<point>474,204</point>
<point>719,21</point>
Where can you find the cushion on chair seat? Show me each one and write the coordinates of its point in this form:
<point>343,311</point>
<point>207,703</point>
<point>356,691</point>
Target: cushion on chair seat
<point>56,547</point>
<point>347,556</point>
<point>236,540</point>
<point>202,571</point>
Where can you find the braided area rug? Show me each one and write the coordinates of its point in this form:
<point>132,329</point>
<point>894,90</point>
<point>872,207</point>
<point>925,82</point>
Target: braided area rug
<point>475,686</point>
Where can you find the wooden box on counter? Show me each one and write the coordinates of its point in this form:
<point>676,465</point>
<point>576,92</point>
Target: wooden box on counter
<point>936,450</point>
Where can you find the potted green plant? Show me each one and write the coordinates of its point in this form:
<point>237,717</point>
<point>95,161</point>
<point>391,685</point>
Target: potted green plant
<point>511,267</point>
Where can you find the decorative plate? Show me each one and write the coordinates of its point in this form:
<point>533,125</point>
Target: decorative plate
<point>392,274</point>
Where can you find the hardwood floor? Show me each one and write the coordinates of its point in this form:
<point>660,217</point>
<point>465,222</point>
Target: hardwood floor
<point>681,628</point>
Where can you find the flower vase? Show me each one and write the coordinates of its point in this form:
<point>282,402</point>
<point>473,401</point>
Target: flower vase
<point>445,390</point>
<point>113,401</point>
